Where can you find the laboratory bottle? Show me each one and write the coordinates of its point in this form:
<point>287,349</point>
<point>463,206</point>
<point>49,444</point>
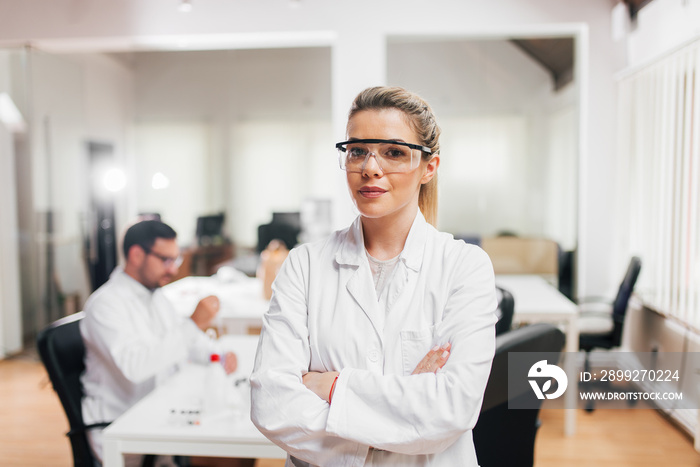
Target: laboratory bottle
<point>214,387</point>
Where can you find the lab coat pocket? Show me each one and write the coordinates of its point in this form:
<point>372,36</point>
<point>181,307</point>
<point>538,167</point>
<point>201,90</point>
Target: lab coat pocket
<point>414,346</point>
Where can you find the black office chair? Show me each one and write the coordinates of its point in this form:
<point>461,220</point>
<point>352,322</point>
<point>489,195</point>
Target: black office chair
<point>285,226</point>
<point>503,436</point>
<point>603,329</point>
<point>505,310</point>
<point>62,351</point>
<point>565,274</point>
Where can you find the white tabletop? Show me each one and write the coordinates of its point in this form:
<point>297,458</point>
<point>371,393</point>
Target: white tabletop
<point>152,427</point>
<point>242,301</point>
<point>533,295</point>
<point>536,300</point>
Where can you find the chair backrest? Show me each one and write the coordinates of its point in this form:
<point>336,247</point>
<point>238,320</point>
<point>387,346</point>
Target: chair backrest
<point>519,255</point>
<point>285,226</point>
<point>506,308</point>
<point>62,352</point>
<point>505,436</point>
<point>565,279</point>
<point>622,298</point>
<point>624,292</point>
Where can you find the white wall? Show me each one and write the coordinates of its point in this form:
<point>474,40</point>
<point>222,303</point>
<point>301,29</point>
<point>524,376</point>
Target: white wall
<point>10,302</point>
<point>358,31</point>
<point>276,174</point>
<point>75,99</point>
<point>72,100</point>
<point>233,84</point>
<point>246,132</point>
<point>179,151</point>
<point>273,107</point>
<point>5,82</point>
<point>494,104</point>
<point>10,306</point>
<point>560,173</point>
<point>468,77</point>
<point>661,26</point>
<point>109,116</point>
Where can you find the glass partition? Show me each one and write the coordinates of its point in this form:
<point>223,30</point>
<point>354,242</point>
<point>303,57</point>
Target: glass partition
<point>509,145</point>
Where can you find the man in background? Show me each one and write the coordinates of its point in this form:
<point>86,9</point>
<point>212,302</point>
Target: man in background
<point>133,336</point>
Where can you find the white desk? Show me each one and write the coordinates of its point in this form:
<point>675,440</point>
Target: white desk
<point>148,427</point>
<point>538,301</point>
<point>242,301</point>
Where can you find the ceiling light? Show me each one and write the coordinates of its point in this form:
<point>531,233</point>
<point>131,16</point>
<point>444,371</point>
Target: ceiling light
<point>114,180</point>
<point>10,115</point>
<point>160,181</point>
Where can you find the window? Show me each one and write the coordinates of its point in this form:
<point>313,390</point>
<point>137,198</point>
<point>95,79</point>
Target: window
<point>659,196</point>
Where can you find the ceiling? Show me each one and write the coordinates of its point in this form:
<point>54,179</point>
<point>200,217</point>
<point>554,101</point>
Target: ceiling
<point>636,5</point>
<point>556,55</point>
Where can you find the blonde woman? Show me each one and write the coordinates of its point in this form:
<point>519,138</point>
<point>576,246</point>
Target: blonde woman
<point>378,342</point>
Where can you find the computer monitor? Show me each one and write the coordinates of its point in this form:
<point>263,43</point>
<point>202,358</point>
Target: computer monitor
<point>285,226</point>
<point>210,229</point>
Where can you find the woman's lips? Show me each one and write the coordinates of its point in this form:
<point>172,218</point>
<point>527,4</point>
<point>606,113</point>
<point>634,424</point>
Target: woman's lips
<point>372,191</point>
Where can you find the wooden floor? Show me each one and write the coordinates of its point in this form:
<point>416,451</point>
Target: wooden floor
<point>33,427</point>
<point>620,438</point>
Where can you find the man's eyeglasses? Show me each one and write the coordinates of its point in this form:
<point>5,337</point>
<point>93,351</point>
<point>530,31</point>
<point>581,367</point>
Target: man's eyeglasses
<point>391,156</point>
<point>168,261</point>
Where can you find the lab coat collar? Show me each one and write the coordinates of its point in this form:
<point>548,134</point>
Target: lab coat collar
<point>352,248</point>
<point>412,254</point>
<point>352,251</point>
<point>138,288</point>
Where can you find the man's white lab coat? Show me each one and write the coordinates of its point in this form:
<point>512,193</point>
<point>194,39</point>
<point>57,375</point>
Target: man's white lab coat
<point>133,336</point>
<point>324,316</point>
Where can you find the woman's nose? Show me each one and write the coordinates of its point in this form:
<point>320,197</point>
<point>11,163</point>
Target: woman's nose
<point>371,166</point>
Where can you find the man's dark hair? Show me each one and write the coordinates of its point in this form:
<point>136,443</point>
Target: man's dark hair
<point>145,233</point>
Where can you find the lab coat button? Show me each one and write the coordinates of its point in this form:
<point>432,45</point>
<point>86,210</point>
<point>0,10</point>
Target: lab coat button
<point>373,355</point>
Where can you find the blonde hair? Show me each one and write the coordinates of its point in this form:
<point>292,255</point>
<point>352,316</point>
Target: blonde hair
<point>421,117</point>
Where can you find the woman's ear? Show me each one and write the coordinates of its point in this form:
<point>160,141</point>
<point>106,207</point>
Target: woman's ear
<point>430,169</point>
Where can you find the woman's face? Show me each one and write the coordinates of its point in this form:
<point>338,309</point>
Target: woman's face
<point>376,194</point>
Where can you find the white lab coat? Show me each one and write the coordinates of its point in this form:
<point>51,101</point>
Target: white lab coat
<point>324,316</point>
<point>133,338</point>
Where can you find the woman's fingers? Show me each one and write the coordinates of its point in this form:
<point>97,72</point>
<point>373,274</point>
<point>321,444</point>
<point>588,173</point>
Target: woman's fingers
<point>320,383</point>
<point>434,359</point>
<point>444,354</point>
<point>440,357</point>
<point>308,378</point>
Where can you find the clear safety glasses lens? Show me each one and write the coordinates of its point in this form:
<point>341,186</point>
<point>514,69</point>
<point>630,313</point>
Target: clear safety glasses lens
<point>391,157</point>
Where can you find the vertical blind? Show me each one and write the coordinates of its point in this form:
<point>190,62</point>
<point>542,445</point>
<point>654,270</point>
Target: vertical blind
<point>659,178</point>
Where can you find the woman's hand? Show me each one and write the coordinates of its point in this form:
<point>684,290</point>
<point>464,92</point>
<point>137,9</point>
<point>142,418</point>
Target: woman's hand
<point>320,383</point>
<point>434,359</point>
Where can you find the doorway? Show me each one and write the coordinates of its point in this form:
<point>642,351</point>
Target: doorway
<point>100,243</point>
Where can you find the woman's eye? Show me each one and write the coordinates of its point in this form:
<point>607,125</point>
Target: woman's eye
<point>397,153</point>
<point>357,152</point>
